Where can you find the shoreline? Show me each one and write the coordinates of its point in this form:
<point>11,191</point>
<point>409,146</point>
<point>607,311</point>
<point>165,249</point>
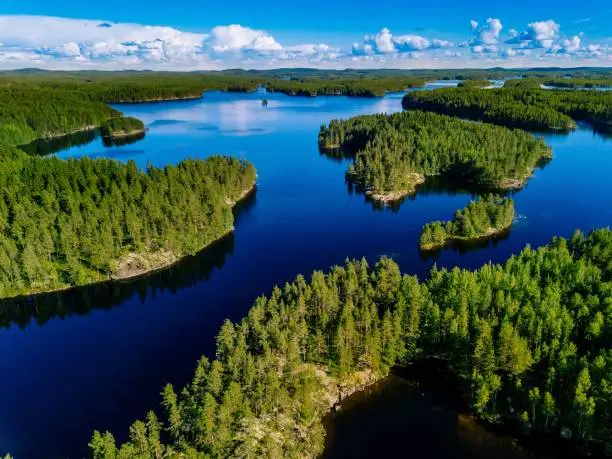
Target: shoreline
<point>124,134</point>
<point>490,233</point>
<point>87,128</point>
<point>170,261</point>
<point>394,196</point>
<point>157,99</point>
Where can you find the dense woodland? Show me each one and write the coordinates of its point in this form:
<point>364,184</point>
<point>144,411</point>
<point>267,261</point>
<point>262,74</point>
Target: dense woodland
<point>528,341</point>
<point>390,149</point>
<point>30,113</point>
<point>529,109</point>
<point>67,223</point>
<point>483,217</point>
<point>119,87</point>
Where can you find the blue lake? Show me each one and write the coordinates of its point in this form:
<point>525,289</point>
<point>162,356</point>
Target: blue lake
<point>97,357</point>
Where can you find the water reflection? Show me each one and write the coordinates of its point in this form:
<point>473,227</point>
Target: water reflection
<point>41,308</point>
<point>464,247</point>
<point>416,412</point>
<point>43,147</point>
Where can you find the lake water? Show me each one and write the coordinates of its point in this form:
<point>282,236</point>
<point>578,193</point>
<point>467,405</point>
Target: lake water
<point>97,357</point>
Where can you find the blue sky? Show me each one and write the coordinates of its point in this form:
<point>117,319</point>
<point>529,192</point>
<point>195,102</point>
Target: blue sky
<point>189,34</point>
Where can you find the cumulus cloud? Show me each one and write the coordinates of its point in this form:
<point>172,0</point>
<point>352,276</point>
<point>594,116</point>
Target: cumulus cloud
<point>539,34</point>
<point>486,34</point>
<point>51,42</point>
<point>385,42</point>
<point>546,37</point>
<point>90,41</point>
<point>234,38</point>
<point>66,43</point>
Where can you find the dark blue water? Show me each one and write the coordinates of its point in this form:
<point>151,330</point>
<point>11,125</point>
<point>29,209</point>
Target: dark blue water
<point>96,358</point>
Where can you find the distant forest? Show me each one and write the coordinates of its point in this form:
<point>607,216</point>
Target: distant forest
<point>522,108</point>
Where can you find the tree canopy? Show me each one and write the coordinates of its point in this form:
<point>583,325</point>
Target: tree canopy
<point>529,340</point>
<point>482,217</point>
<point>390,149</point>
<point>67,223</point>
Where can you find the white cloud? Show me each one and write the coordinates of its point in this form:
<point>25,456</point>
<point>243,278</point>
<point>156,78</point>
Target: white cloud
<point>74,43</point>
<point>539,34</point>
<point>571,45</point>
<point>234,38</point>
<point>61,43</point>
<point>543,33</point>
<point>485,49</point>
<point>487,34</point>
<point>385,42</point>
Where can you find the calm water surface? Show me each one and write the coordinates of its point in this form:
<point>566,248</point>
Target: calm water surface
<point>97,357</point>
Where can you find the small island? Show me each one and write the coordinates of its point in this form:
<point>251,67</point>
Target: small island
<point>475,84</point>
<point>394,154</point>
<point>122,126</point>
<point>482,218</point>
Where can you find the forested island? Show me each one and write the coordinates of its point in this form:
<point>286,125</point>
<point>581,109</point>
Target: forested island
<point>537,109</point>
<point>474,84</point>
<point>527,341</point>
<point>122,126</point>
<point>486,216</point>
<point>395,153</point>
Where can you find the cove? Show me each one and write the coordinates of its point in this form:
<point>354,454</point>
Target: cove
<point>97,358</point>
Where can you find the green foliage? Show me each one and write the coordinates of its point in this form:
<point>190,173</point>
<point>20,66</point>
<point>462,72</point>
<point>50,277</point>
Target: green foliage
<point>67,223</point>
<point>390,149</point>
<point>481,218</point>
<point>120,87</point>
<point>30,113</point>
<point>515,335</point>
<point>121,126</point>
<point>522,108</point>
